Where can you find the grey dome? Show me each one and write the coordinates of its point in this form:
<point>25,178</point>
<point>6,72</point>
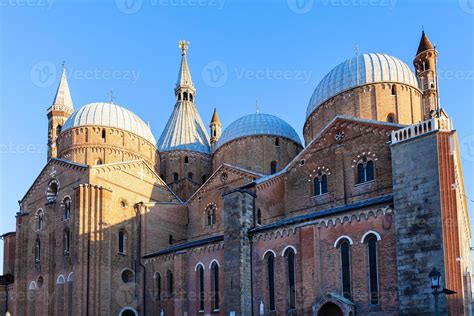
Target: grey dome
<point>111,115</point>
<point>358,71</point>
<point>258,124</point>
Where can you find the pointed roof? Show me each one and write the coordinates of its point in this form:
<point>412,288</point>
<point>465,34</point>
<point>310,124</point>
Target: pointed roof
<point>185,130</point>
<point>184,75</point>
<point>425,43</point>
<point>215,118</point>
<point>62,99</point>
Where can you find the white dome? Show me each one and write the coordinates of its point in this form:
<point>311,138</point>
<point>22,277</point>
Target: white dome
<point>358,71</point>
<point>258,124</point>
<point>111,115</point>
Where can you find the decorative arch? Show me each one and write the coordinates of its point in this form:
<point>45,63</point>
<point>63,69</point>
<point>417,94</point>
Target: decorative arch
<point>128,311</point>
<point>32,286</point>
<point>52,191</point>
<point>269,251</point>
<point>377,235</point>
<point>199,264</point>
<point>214,261</point>
<point>340,238</point>
<point>288,248</point>
<point>60,279</point>
<point>70,277</point>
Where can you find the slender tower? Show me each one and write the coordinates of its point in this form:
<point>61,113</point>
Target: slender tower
<point>216,129</point>
<point>58,113</point>
<point>425,66</point>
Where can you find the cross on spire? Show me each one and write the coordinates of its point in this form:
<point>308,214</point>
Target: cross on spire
<point>112,96</point>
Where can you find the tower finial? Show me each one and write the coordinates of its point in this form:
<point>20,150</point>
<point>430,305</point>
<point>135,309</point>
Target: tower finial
<point>183,44</point>
<point>112,96</point>
<point>257,107</point>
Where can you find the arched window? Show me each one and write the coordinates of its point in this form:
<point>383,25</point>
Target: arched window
<point>371,241</point>
<point>175,176</point>
<point>67,208</point>
<point>66,241</point>
<point>345,267</point>
<point>122,242</point>
<point>169,276</point>
<point>211,214</point>
<point>128,276</point>
<point>186,159</point>
<point>200,280</point>
<point>320,184</point>
<point>58,129</point>
<point>158,286</point>
<point>179,96</point>
<point>170,239</point>
<point>39,220</point>
<point>365,171</point>
<point>271,280</point>
<point>215,286</point>
<point>52,192</point>
<point>37,250</point>
<point>104,135</point>
<point>273,167</point>
<point>391,118</point>
<point>98,161</point>
<point>394,90</point>
<point>190,175</point>
<point>277,141</point>
<point>291,270</point>
<point>191,97</point>
<point>185,96</point>
<point>259,217</point>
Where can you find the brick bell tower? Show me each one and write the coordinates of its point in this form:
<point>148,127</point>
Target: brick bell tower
<point>216,129</point>
<point>58,113</point>
<point>425,64</point>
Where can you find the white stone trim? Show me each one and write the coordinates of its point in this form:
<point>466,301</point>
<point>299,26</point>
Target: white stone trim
<point>379,238</point>
<point>70,277</point>
<point>60,279</point>
<point>128,308</point>
<point>216,261</point>
<point>197,265</point>
<point>32,286</point>
<point>156,274</point>
<point>267,251</point>
<point>341,238</point>
<point>288,247</point>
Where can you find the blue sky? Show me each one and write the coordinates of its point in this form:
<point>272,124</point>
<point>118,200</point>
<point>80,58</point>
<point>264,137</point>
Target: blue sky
<point>276,51</point>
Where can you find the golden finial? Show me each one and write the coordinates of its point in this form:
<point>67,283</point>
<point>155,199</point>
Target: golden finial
<point>183,44</point>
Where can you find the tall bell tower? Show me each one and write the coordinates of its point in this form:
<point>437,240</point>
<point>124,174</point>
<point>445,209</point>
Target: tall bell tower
<point>58,113</point>
<point>425,64</point>
<point>216,129</point>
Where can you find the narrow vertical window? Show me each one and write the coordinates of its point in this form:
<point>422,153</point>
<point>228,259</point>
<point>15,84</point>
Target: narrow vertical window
<point>122,241</point>
<point>37,251</point>
<point>290,258</point>
<point>200,273</point>
<point>273,167</point>
<point>67,208</point>
<point>211,214</point>
<point>190,175</point>
<point>158,286</point>
<point>345,268</point>
<point>170,284</point>
<point>365,171</point>
<point>271,281</point>
<point>215,286</point>
<point>66,241</point>
<point>170,239</point>
<point>259,217</point>
<point>369,170</point>
<point>394,90</point>
<point>175,176</point>
<point>104,135</point>
<point>324,184</point>
<point>277,141</point>
<point>186,159</point>
<point>320,184</point>
<point>39,220</point>
<point>371,241</point>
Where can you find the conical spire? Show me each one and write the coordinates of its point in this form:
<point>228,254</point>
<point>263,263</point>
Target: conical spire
<point>62,99</point>
<point>215,118</point>
<point>425,43</point>
<point>184,76</point>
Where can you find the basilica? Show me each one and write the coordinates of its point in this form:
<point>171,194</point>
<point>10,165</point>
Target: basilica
<point>249,219</point>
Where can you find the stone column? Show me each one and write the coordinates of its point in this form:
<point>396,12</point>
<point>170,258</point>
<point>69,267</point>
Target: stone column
<point>238,219</point>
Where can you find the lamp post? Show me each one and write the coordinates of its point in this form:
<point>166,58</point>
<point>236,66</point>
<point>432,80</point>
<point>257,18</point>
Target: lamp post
<point>435,278</point>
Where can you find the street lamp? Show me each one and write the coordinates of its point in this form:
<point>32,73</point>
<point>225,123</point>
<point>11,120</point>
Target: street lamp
<point>435,278</point>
